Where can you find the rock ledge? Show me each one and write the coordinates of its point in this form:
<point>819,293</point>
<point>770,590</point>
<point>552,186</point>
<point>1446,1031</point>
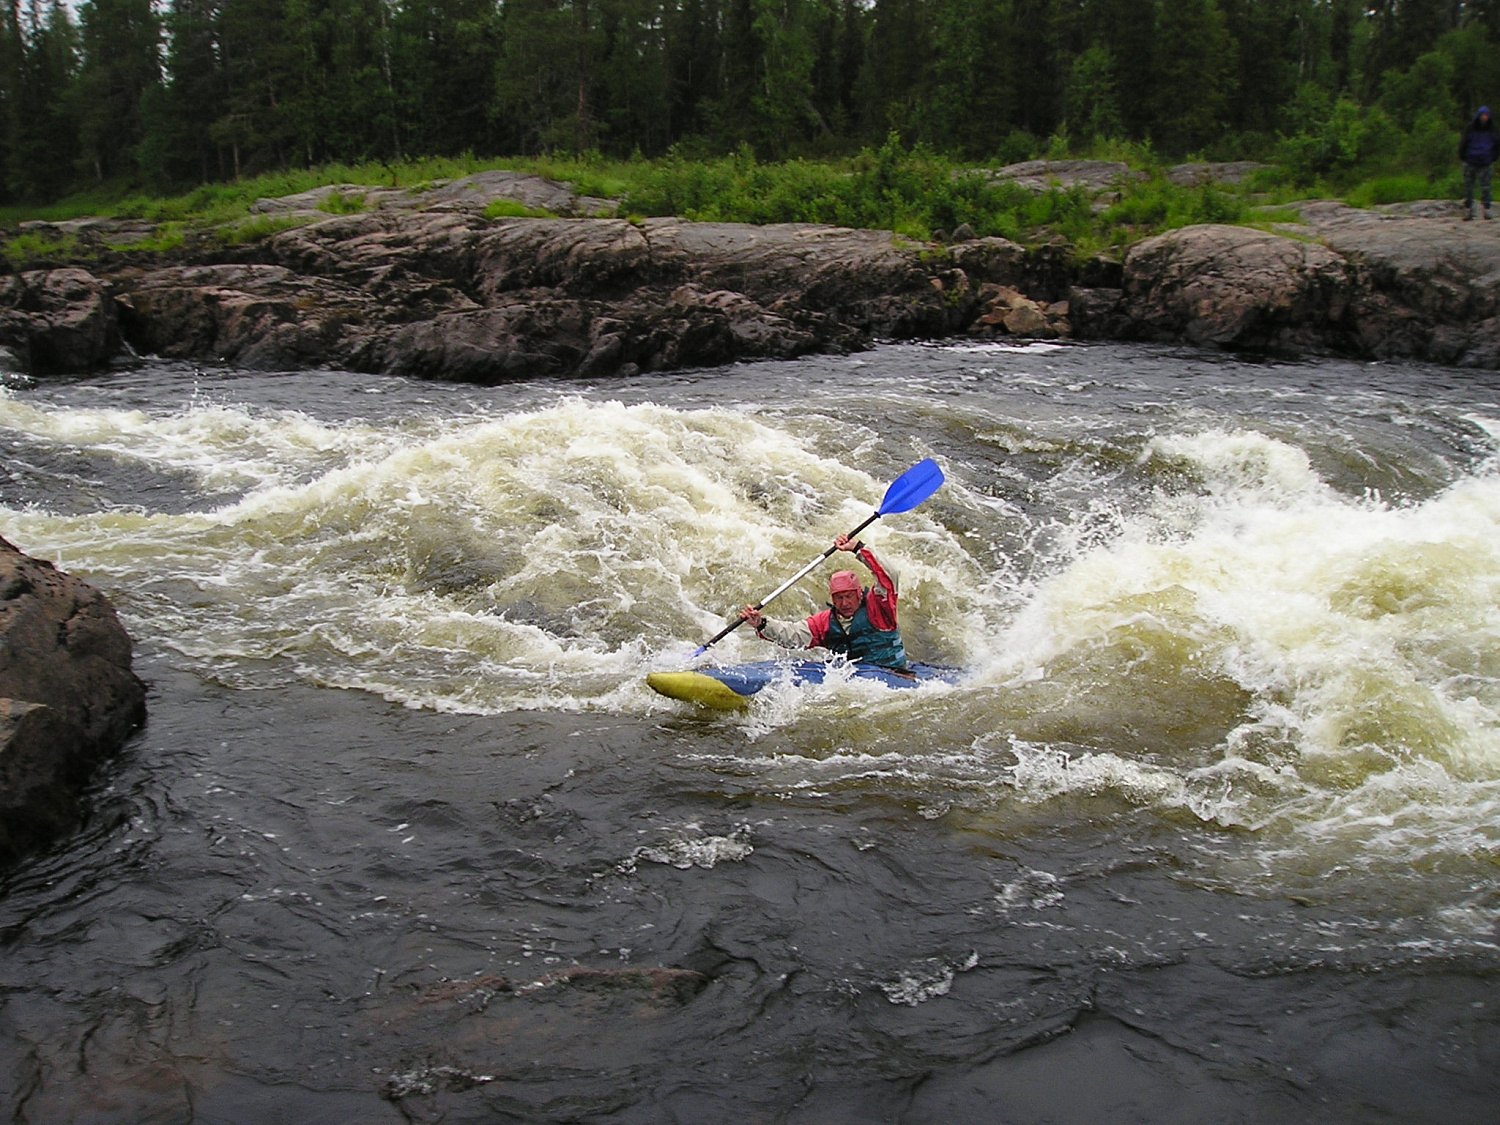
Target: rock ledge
<point>67,697</point>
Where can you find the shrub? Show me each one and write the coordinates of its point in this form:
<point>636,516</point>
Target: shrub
<point>342,203</point>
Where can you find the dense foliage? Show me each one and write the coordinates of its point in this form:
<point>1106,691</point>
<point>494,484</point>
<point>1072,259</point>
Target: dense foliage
<point>193,91</point>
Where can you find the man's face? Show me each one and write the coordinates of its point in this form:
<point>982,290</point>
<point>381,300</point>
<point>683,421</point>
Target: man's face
<point>845,602</point>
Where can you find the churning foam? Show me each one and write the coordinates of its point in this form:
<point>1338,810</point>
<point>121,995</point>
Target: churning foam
<point>1355,646</point>
<point>477,563</point>
<point>1254,650</point>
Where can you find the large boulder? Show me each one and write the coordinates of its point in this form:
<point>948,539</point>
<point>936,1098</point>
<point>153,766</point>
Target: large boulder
<point>1236,287</point>
<point>1429,282</point>
<point>59,321</point>
<point>67,696</point>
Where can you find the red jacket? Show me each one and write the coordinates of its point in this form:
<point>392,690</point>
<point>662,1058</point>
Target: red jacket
<point>880,602</point>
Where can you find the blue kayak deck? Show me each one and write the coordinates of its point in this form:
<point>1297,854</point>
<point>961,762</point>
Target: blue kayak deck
<point>730,687</point>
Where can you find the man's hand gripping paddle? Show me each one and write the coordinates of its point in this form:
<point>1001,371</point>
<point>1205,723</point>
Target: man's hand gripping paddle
<point>905,493</point>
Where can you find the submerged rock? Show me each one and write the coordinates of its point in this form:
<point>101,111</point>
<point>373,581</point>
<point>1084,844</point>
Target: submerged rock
<point>68,697</point>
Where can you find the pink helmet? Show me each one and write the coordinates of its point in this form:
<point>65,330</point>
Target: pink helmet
<point>843,580</point>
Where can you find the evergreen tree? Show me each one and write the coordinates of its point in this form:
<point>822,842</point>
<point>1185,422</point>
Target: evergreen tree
<point>1194,75</point>
<point>1270,58</point>
<point>631,79</point>
<point>731,112</point>
<point>544,74</point>
<point>444,54</point>
<point>976,75</point>
<point>40,146</point>
<point>262,70</point>
<point>120,63</point>
<point>895,82</point>
<point>178,146</point>
<point>1127,31</point>
<point>1093,107</point>
<point>1400,31</point>
<point>692,60</point>
<point>784,109</point>
<point>1033,44</point>
<point>340,101</point>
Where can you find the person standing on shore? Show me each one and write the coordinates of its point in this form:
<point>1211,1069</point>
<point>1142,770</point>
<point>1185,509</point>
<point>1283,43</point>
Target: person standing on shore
<point>1478,148</point>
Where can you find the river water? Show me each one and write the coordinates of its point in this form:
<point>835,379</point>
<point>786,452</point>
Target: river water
<point>1210,833</point>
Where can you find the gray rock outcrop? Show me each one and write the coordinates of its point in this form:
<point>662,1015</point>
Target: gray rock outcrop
<point>1428,283</point>
<point>420,283</point>
<point>451,295</point>
<point>60,320</point>
<point>1093,176</point>
<point>1236,287</point>
<point>1410,281</point>
<point>67,696</point>
<point>1226,172</point>
<point>470,193</point>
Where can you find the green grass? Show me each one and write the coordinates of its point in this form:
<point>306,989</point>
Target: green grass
<point>512,209</point>
<point>257,228</point>
<point>342,203</point>
<point>915,193</point>
<point>38,251</point>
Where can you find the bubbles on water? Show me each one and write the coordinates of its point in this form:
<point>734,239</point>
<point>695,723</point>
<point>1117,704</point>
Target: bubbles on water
<point>925,980</point>
<point>1032,890</point>
<point>1189,621</point>
<point>689,845</point>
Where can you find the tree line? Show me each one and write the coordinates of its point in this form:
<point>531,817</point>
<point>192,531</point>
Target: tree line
<point>190,91</point>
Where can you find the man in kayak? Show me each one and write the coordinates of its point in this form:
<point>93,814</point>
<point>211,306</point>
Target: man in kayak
<point>859,623</point>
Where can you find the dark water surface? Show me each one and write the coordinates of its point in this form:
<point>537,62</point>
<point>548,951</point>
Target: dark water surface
<point>1210,834</point>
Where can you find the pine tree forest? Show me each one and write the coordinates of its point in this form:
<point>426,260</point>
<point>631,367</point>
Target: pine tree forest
<point>164,95</point>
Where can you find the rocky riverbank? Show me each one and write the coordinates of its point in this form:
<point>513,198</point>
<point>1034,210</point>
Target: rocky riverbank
<point>423,284</point>
<point>67,696</point>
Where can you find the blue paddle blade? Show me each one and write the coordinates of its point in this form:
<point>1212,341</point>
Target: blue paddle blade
<point>912,487</point>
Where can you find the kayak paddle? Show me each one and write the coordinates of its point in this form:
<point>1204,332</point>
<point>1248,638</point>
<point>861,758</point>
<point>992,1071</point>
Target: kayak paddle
<point>905,493</point>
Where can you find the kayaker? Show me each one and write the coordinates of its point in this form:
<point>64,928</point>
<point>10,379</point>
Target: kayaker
<point>859,622</point>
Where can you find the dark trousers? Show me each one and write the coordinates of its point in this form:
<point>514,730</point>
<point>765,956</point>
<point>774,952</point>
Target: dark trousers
<point>1483,176</point>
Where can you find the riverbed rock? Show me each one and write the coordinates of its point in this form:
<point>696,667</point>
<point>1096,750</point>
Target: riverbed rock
<point>68,696</point>
<point>421,283</point>
<point>1428,283</point>
<point>1236,287</point>
<point>1007,311</point>
<point>257,316</point>
<point>452,295</point>
<point>62,320</point>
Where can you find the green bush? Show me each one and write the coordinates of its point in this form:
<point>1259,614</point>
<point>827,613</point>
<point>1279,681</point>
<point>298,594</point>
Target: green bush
<point>342,203</point>
<point>1389,189</point>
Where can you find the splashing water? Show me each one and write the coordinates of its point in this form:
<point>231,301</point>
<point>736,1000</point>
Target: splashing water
<point>1247,645</point>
